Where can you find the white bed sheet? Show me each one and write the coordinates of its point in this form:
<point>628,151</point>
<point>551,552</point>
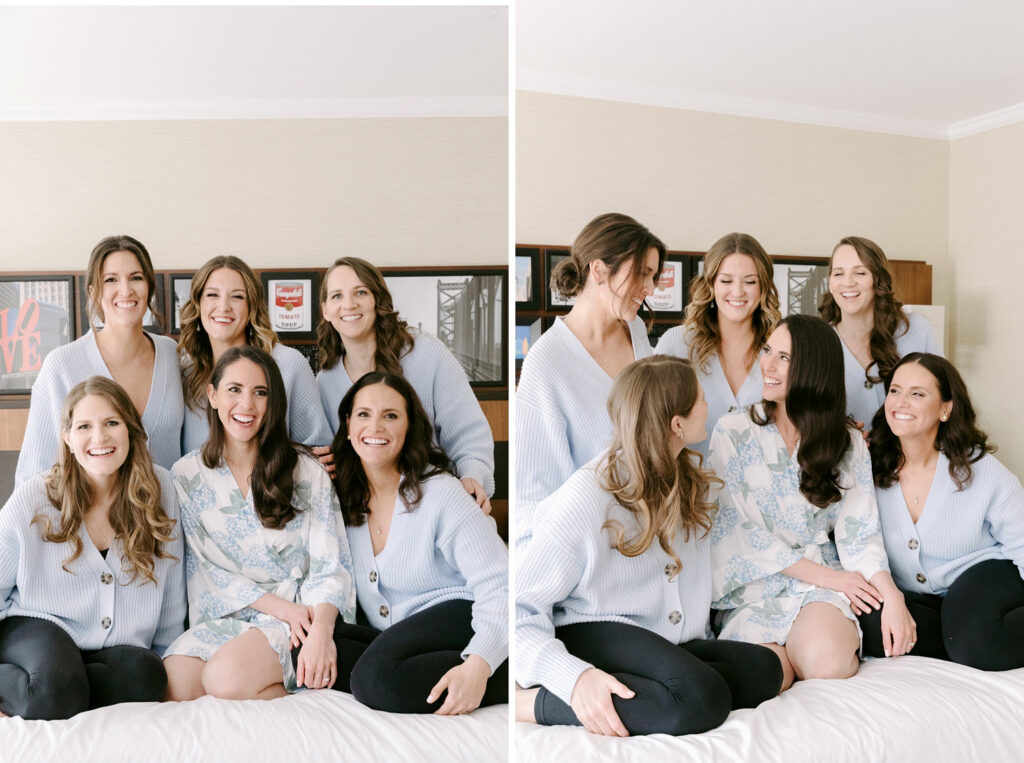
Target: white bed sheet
<point>905,709</point>
<point>304,727</point>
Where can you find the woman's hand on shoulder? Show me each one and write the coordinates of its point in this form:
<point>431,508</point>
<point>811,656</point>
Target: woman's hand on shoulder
<point>592,702</point>
<point>465,684</point>
<point>325,457</point>
<point>477,492</point>
<point>317,664</point>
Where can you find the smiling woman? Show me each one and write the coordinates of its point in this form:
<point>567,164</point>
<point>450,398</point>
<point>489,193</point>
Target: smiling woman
<point>121,287</point>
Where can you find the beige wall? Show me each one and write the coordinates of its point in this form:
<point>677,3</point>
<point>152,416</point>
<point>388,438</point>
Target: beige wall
<point>692,176</point>
<point>986,242</point>
<point>278,193</point>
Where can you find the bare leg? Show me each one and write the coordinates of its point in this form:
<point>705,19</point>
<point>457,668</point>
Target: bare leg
<point>822,643</point>
<point>184,680</point>
<point>525,699</point>
<point>787,667</point>
<point>246,667</point>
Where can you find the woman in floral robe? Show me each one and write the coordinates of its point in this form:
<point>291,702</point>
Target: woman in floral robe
<point>267,567</point>
<point>796,546</point>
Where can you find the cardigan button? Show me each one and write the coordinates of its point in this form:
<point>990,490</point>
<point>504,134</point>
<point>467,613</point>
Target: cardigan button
<point>920,578</point>
<point>868,384</point>
<point>912,544</point>
<point>105,623</point>
<point>384,611</point>
<point>732,408</point>
<point>670,569</point>
<point>373,576</point>
<point>675,617</point>
<point>106,578</point>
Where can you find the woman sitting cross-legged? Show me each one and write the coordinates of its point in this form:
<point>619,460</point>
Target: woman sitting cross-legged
<point>431,571</point>
<point>267,568</point>
<point>614,591</point>
<point>952,519</point>
<point>92,588</point>
<point>796,549</point>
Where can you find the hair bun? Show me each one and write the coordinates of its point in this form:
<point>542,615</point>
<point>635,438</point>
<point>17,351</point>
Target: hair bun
<point>566,278</point>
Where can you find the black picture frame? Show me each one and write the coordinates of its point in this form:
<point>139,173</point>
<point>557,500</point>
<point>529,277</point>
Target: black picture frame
<point>293,302</point>
<point>670,300</point>
<point>37,315</point>
<point>150,323</point>
<point>179,286</point>
<point>527,278</point>
<point>464,307</point>
<point>554,301</point>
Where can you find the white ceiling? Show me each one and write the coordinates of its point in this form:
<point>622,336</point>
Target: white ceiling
<point>934,68</point>
<point>251,62</point>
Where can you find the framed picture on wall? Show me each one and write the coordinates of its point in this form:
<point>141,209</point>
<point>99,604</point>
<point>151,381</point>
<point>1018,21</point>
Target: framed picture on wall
<point>37,315</point>
<point>180,284</point>
<point>293,302</point>
<point>800,283</point>
<point>150,320</point>
<point>528,285</point>
<point>528,330</point>
<point>464,308</point>
<point>555,300</point>
<point>670,288</point>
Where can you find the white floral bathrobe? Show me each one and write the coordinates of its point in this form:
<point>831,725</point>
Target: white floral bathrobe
<point>231,559</point>
<point>764,524</point>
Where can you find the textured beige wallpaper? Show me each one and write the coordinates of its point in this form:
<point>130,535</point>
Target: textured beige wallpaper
<point>986,241</point>
<point>694,176</point>
<point>277,193</point>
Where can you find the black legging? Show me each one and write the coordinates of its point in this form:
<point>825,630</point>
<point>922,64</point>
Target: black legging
<point>395,669</point>
<point>979,622</point>
<point>44,676</point>
<point>680,688</point>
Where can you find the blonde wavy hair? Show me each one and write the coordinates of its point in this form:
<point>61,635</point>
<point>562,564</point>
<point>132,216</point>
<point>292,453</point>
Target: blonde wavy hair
<point>136,515</point>
<point>702,332</point>
<point>194,342</point>
<point>665,494</point>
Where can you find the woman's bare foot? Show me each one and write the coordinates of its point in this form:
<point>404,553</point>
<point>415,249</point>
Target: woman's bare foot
<point>524,704</point>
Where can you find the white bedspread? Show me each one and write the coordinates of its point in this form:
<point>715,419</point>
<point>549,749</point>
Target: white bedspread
<point>905,709</point>
<point>304,727</point>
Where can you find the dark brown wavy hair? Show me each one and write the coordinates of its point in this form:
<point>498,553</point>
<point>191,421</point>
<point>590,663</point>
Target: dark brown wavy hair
<point>391,332</point>
<point>618,241</point>
<point>958,438</point>
<point>419,458</point>
<point>273,475</point>
<point>702,331</point>
<point>816,404</point>
<point>94,275</point>
<point>136,515</point>
<point>889,317</point>
<point>665,494</point>
<point>194,342</point>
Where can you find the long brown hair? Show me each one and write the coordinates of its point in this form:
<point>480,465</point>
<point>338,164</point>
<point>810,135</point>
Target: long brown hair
<point>391,332</point>
<point>665,494</point>
<point>958,438</point>
<point>702,331</point>
<point>816,404</point>
<point>273,475</point>
<point>888,317</point>
<point>419,458</point>
<point>194,342</point>
<point>94,275</point>
<point>136,515</point>
<point>615,239</point>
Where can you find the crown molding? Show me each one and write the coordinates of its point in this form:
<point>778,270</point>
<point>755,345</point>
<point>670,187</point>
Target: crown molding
<point>745,107</point>
<point>272,108</point>
<point>985,122</point>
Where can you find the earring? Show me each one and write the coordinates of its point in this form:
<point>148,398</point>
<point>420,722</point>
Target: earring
<point>944,418</point>
<point>600,283</point>
<point>680,434</point>
<point>713,305</point>
<point>71,450</point>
